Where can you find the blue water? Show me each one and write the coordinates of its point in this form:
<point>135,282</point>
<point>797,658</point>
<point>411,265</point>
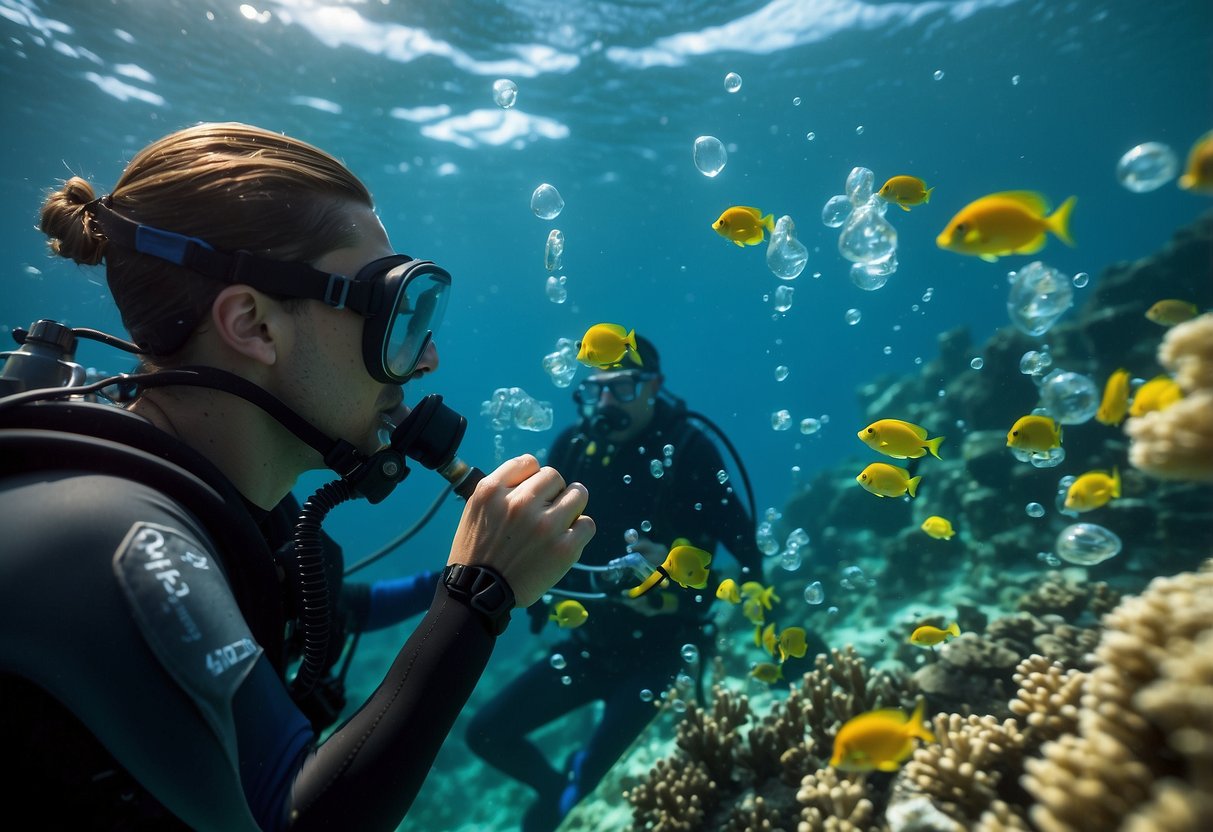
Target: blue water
<point>611,97</point>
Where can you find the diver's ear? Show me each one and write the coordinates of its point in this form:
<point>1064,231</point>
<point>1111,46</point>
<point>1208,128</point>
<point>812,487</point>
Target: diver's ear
<point>249,322</point>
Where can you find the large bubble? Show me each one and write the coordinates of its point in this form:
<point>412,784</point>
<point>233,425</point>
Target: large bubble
<point>546,202</point>
<point>867,237</point>
<point>1086,544</point>
<point>1039,296</point>
<point>1071,398</point>
<point>709,155</point>
<point>1147,167</point>
<point>786,256</point>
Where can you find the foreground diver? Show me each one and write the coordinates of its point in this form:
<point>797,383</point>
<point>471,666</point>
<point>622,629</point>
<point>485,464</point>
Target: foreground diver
<point>626,645</point>
<point>143,664</point>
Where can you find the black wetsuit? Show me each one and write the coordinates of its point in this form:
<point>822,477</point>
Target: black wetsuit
<point>619,652</point>
<point>134,695</point>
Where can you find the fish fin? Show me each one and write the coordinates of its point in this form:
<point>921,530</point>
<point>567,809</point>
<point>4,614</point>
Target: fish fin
<point>918,431</point>
<point>917,721</point>
<point>1031,199</point>
<point>904,207</point>
<point>933,446</point>
<point>912,485</point>
<point>769,222</point>
<point>756,239</point>
<point>739,243</point>
<point>1115,482</point>
<point>989,258</point>
<point>926,197</point>
<point>1034,245</point>
<point>954,629</point>
<point>888,765</point>
<point>1059,221</point>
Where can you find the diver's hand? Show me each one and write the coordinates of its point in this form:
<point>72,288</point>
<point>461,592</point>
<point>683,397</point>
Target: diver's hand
<point>523,521</point>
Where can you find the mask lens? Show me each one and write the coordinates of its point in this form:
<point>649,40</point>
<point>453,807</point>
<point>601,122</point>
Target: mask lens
<point>420,304</point>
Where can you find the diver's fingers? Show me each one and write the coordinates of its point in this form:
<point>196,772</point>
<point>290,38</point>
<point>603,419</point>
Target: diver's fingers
<point>514,471</point>
<point>582,532</point>
<point>571,501</point>
<point>545,485</point>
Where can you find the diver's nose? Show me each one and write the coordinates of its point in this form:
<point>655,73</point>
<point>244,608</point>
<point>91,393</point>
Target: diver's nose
<point>428,362</point>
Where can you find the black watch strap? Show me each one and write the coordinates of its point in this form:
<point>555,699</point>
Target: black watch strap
<point>483,589</point>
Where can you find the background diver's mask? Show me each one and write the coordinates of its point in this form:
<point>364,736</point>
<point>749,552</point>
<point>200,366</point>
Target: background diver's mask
<point>402,299</point>
<point>602,419</point>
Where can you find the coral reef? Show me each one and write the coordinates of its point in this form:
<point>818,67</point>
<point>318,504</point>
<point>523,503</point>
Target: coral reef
<point>1177,443</point>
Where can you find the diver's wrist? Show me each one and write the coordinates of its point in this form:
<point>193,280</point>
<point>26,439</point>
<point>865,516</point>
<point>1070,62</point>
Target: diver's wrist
<point>484,589</point>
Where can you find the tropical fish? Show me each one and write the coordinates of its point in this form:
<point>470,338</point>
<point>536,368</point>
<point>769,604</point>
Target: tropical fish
<point>727,591</point>
<point>766,638</point>
<point>604,346</point>
<point>764,594</point>
<point>743,225</point>
<point>938,527</point>
<point>1170,312</point>
<point>1198,176</point>
<point>1011,222</point>
<point>753,610</point>
<point>898,439</point>
<point>1115,402</point>
<point>879,740</point>
<point>686,566</point>
<point>1093,490</point>
<point>1158,393</point>
<point>792,643</point>
<point>906,191</point>
<point>1038,434</point>
<point>928,636</point>
<point>569,614</point>
<point>886,480</point>
<point>767,672</point>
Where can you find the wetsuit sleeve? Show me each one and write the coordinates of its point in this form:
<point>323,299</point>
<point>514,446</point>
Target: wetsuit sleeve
<point>383,603</point>
<point>367,774</point>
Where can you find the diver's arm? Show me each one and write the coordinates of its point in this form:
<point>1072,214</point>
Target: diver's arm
<point>366,775</point>
<point>380,604</point>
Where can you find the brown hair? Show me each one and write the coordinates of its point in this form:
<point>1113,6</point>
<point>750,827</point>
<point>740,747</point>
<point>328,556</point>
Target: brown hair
<point>234,186</point>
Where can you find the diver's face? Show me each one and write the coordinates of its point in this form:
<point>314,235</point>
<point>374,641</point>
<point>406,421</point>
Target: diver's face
<point>327,370</point>
<point>630,391</point>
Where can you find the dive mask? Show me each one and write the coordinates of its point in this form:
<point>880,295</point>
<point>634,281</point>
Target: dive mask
<point>402,299</point>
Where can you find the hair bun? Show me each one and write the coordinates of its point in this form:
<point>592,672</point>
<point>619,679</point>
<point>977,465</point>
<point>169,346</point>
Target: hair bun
<point>68,226</point>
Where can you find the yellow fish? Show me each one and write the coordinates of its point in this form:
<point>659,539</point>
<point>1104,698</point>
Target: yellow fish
<point>727,591</point>
<point>1115,402</point>
<point>766,639</point>
<point>753,610</point>
<point>938,527</point>
<point>928,636</point>
<point>569,614</point>
<point>898,439</point>
<point>743,225</point>
<point>767,672</point>
<point>1199,174</point>
<point>879,739</point>
<point>686,566</point>
<point>764,594</point>
<point>1170,312</point>
<point>1158,393</point>
<point>885,480</point>
<point>906,191</point>
<point>1038,434</point>
<point>1011,222</point>
<point>604,346</point>
<point>792,643</point>
<point>1093,490</point>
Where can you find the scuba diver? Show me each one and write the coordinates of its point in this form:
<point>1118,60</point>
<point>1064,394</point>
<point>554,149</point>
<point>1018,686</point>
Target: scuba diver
<point>627,645</point>
<point>163,644</point>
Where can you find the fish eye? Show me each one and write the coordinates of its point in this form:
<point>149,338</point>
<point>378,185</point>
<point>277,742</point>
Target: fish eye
<point>961,227</point>
<point>1015,433</point>
<point>871,430</point>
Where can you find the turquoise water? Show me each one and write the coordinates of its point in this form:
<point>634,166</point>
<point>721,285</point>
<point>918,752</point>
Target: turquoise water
<point>611,96</point>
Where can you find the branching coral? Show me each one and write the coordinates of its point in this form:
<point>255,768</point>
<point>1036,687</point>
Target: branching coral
<point>1047,701</point>
<point>1177,443</point>
<point>1059,595</point>
<point>834,803</point>
<point>1143,753</point>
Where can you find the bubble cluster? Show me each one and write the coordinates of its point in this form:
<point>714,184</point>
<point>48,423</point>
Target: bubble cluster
<point>555,289</point>
<point>553,250</point>
<point>786,256</point>
<point>546,202</point>
<point>1059,501</point>
<point>1033,363</point>
<point>853,577</point>
<point>1086,544</point>
<point>764,536</point>
<point>505,93</point>
<point>561,365</point>
<point>732,82</point>
<point>1147,167</point>
<point>867,239</point>
<point>1039,295</point>
<point>514,407</point>
<point>709,155</point>
<point>781,420</point>
<point>1070,398</point>
<point>782,300</point>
